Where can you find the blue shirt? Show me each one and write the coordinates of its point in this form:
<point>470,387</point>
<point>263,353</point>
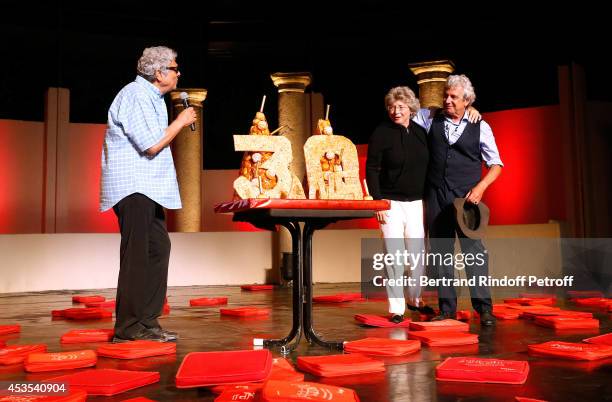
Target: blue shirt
<point>488,147</point>
<point>137,120</point>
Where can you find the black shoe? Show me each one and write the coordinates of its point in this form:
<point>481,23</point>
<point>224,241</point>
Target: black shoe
<point>426,310</point>
<point>487,319</point>
<point>396,318</point>
<point>169,335</point>
<point>142,335</point>
<point>445,316</point>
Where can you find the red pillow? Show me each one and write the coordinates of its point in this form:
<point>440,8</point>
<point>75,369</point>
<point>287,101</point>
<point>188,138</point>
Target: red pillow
<point>245,311</point>
<point>600,340</point>
<point>444,338</point>
<point>87,299</point>
<point>464,315</point>
<point>284,391</point>
<point>257,287</point>
<point>382,347</point>
<point>339,298</point>
<point>380,321</point>
<point>87,335</point>
<point>200,369</point>
<point>10,329</point>
<point>102,304</point>
<point>475,369</point>
<point>572,351</point>
<point>85,313</point>
<point>339,365</point>
<point>37,362</point>
<point>137,349</point>
<point>107,381</point>
<point>558,322</point>
<point>14,354</point>
<point>443,325</point>
<point>208,301</point>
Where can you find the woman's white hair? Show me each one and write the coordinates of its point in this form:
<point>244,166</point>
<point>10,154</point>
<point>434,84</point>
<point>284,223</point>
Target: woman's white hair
<point>455,81</point>
<point>403,94</point>
<point>155,59</point>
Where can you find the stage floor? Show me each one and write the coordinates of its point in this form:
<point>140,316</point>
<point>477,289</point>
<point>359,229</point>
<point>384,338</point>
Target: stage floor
<point>406,379</point>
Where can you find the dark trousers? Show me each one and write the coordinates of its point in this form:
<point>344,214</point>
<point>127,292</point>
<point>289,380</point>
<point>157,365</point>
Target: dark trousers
<point>442,227</point>
<point>143,274</point>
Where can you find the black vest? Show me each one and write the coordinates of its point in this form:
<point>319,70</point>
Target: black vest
<point>460,164</point>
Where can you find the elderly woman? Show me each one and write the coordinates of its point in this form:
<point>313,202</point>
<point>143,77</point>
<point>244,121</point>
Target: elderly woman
<point>396,169</point>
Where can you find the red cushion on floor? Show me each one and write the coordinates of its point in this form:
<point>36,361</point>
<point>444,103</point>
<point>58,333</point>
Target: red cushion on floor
<point>339,365</point>
<point>475,369</point>
<point>464,315</point>
<point>382,347</point>
<point>281,370</point>
<point>443,325</point>
<point>257,287</point>
<point>444,338</point>
<point>37,362</point>
<point>14,354</point>
<point>74,395</point>
<point>108,381</point>
<point>245,311</point>
<point>532,315</point>
<point>591,302</point>
<point>102,304</point>
<point>93,313</point>
<point>338,298</point>
<point>380,321</point>
<point>208,301</point>
<point>605,339</point>
<point>505,313</point>
<point>247,386</point>
<point>277,391</point>
<point>200,369</point>
<point>87,335</point>
<point>523,399</point>
<point>560,322</point>
<point>137,349</point>
<point>87,299</point>
<point>530,301</point>
<point>231,395</point>
<point>10,329</point>
<point>572,351</point>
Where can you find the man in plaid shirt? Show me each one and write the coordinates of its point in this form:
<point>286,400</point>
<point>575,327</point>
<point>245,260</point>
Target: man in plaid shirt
<point>138,182</point>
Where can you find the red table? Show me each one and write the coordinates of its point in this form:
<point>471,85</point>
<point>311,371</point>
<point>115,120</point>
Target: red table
<point>314,214</point>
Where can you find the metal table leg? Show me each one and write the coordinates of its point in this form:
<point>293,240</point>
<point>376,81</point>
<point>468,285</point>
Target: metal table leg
<point>309,332</point>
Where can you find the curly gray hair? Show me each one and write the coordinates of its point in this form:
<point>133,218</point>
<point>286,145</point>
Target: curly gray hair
<point>155,59</point>
<point>456,81</point>
<point>403,94</point>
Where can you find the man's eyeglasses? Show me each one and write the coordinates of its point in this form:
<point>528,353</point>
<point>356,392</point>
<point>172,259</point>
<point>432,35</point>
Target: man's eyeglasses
<point>173,68</point>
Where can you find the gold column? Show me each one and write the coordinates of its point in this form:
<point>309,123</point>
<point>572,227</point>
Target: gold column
<point>431,77</point>
<point>187,153</point>
<point>292,113</point>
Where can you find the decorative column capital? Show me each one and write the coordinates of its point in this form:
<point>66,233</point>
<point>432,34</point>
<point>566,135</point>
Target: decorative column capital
<point>195,96</point>
<point>432,71</point>
<point>291,82</point>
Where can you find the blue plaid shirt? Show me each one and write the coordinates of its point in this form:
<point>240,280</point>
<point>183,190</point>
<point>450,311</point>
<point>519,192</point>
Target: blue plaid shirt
<point>137,120</point>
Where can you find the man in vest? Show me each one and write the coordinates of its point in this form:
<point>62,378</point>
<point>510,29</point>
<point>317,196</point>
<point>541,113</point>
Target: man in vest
<point>457,149</point>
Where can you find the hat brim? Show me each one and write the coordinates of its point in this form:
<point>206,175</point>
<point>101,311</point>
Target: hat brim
<point>484,213</point>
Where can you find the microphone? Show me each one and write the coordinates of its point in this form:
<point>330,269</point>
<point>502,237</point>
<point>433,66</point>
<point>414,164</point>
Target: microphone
<point>184,97</point>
